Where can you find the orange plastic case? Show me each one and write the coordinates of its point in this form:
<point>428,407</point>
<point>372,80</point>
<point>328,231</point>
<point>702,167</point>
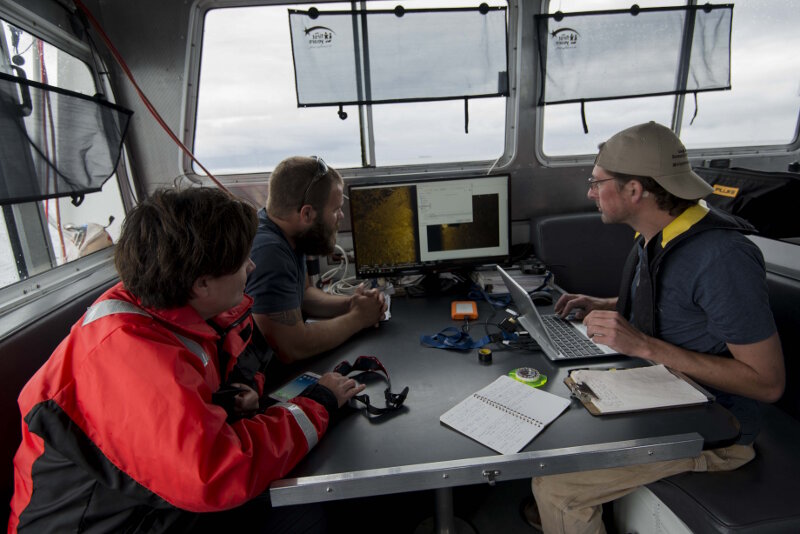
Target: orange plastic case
<point>464,309</point>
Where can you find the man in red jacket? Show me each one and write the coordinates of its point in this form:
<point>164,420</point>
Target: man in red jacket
<point>137,421</point>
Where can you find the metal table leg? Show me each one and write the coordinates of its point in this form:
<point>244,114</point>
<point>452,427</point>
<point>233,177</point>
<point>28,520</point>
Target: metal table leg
<point>444,520</point>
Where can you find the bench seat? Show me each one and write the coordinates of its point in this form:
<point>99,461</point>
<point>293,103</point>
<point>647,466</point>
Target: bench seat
<point>761,497</point>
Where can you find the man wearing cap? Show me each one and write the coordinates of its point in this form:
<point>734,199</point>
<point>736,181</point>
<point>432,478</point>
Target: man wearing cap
<point>693,297</point>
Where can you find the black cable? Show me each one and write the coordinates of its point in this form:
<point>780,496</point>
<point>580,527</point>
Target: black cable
<point>521,251</point>
<point>487,322</point>
<point>547,276</point>
<point>527,345</point>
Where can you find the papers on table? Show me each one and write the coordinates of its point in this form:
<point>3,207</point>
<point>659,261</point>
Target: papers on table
<point>505,415</point>
<point>630,390</point>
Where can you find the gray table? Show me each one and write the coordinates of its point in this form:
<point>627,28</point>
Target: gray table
<point>410,450</point>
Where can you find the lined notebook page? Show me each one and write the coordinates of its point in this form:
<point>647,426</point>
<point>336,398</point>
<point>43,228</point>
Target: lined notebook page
<point>505,415</point>
<point>640,388</point>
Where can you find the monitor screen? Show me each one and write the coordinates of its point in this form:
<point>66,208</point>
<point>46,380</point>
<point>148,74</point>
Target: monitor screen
<point>404,227</point>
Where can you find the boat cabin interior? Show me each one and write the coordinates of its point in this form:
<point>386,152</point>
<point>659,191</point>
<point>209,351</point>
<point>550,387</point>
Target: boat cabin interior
<point>104,101</point>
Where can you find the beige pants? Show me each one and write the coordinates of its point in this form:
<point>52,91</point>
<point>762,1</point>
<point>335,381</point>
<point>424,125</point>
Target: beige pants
<point>572,502</point>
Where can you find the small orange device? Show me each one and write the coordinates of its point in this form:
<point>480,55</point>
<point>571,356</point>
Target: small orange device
<point>463,309</point>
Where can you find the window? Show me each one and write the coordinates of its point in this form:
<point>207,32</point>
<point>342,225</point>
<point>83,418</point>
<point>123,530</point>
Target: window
<point>761,109</point>
<point>762,106</point>
<point>247,118</point>
<point>38,236</point>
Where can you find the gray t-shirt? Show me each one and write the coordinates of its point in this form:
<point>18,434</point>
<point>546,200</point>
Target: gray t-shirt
<point>278,281</point>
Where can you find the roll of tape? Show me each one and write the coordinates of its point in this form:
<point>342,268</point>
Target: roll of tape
<point>529,376</point>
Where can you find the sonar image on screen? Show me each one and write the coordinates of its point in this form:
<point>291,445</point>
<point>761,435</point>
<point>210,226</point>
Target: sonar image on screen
<point>482,232</point>
<point>409,227</point>
<point>385,219</point>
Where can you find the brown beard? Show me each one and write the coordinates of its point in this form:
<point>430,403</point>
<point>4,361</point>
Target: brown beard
<point>317,239</point>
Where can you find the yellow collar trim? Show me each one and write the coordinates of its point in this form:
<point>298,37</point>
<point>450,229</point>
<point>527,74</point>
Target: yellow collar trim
<point>683,222</point>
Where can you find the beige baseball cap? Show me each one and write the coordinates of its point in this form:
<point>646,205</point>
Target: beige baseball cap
<point>653,150</point>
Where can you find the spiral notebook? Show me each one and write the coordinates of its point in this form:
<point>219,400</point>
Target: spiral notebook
<point>505,415</point>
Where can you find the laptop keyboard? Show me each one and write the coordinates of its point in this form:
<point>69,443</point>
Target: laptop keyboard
<point>567,340</point>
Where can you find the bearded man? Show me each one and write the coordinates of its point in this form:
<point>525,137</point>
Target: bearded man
<point>302,216</point>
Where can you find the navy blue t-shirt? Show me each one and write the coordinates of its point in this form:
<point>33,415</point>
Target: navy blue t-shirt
<point>712,290</point>
<point>278,281</point>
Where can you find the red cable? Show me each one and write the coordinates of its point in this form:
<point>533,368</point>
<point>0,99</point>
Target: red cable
<point>144,99</point>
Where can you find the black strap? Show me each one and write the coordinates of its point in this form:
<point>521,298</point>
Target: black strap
<point>583,117</point>
<point>371,364</point>
<point>695,109</point>
<point>466,115</point>
<point>628,272</point>
<point>644,300</point>
<point>223,356</point>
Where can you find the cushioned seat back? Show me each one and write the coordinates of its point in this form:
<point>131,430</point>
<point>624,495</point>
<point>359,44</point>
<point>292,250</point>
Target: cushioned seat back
<point>585,255</point>
<point>784,299</point>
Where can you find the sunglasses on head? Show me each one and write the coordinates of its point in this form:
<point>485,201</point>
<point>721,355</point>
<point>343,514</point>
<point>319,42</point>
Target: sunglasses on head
<point>322,170</point>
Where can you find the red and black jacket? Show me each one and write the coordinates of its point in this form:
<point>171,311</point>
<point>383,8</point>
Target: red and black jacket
<point>119,430</point>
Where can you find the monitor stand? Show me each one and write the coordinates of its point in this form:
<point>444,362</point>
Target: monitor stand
<point>431,285</point>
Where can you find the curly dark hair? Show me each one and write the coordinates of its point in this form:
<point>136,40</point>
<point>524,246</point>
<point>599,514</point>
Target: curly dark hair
<point>665,200</point>
<point>173,237</point>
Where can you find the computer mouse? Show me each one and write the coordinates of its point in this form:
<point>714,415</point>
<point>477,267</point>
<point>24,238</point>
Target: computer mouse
<point>542,298</point>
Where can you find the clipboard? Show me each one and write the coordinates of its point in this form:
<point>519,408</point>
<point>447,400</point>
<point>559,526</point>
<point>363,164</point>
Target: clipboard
<point>634,389</point>
<point>582,392</point>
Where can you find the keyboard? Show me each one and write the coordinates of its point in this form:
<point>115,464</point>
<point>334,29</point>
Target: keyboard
<point>567,339</point>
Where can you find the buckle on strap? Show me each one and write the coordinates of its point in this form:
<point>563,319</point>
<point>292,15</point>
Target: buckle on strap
<point>371,364</point>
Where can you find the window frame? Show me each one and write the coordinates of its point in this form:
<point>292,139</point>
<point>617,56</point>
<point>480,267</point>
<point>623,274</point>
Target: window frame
<point>24,298</point>
<point>678,111</point>
<point>364,115</point>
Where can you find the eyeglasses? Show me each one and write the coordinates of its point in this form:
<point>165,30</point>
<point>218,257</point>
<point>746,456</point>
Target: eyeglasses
<point>593,182</point>
<point>322,170</point>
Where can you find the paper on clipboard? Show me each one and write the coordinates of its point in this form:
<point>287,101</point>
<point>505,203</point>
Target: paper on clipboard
<point>636,389</point>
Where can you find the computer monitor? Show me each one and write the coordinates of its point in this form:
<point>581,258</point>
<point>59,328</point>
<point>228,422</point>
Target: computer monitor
<point>430,225</point>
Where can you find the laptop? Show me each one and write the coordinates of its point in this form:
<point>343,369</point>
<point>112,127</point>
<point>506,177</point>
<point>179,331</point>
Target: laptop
<point>558,338</point>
